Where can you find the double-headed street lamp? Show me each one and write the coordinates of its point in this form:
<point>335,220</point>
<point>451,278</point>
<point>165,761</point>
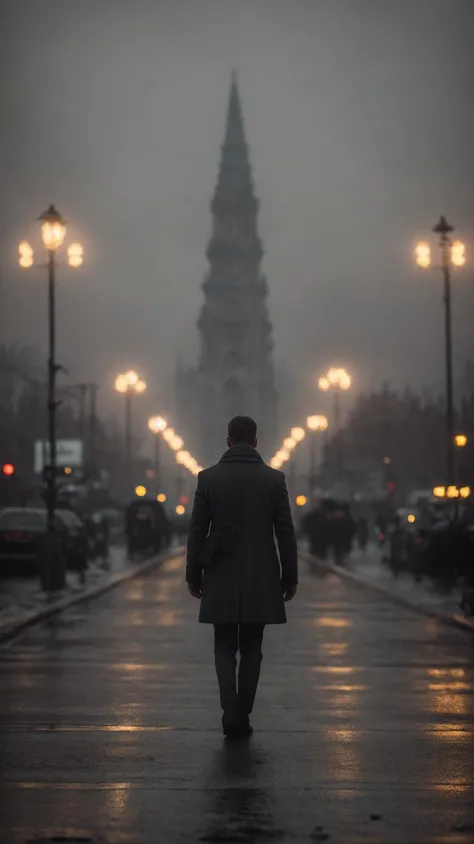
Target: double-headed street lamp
<point>452,254</point>
<point>338,381</point>
<point>53,230</point>
<point>129,384</point>
<point>314,424</point>
<point>157,425</point>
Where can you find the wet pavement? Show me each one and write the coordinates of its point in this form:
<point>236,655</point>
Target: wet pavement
<point>23,592</point>
<point>364,724</point>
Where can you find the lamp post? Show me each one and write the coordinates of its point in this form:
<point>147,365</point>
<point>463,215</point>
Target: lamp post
<point>129,384</point>
<point>339,381</point>
<point>452,253</point>
<point>314,423</point>
<point>53,230</point>
<point>82,391</point>
<point>157,425</point>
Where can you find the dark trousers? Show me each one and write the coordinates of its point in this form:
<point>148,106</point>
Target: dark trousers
<point>228,639</point>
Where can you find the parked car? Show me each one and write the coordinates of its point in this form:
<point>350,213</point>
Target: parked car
<point>23,534</point>
<point>22,538</point>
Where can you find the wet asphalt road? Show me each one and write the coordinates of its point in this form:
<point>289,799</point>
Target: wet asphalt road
<point>364,725</point>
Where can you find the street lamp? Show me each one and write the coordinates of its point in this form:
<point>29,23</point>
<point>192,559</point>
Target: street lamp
<point>339,381</point>
<point>129,384</point>
<point>314,423</point>
<point>156,424</point>
<point>452,254</point>
<point>53,230</point>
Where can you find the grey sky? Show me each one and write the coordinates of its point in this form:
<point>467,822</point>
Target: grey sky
<point>359,119</point>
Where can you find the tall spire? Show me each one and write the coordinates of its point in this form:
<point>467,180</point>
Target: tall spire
<point>234,133</point>
<point>235,176</point>
<point>236,365</point>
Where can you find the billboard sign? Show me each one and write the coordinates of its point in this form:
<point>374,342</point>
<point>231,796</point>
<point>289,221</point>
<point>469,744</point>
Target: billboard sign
<point>68,453</point>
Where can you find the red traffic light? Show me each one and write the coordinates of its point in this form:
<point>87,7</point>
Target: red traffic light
<point>8,469</point>
<point>183,499</point>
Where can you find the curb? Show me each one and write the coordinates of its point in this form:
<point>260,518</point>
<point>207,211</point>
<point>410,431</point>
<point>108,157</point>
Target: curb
<point>453,619</point>
<point>9,630</point>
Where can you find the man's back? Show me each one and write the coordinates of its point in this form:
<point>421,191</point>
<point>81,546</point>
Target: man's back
<point>245,503</point>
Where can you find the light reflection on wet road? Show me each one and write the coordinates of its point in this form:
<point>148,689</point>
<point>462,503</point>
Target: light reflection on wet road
<point>364,725</point>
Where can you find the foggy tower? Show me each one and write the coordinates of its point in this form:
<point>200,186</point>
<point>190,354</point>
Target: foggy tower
<point>235,374</point>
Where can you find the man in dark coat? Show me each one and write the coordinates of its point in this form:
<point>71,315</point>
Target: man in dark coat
<point>240,506</point>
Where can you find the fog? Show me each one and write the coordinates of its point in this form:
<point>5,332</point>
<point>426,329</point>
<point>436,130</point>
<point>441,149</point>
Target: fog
<point>359,118</point>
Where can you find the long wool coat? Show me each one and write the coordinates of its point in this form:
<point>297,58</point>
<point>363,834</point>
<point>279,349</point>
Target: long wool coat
<point>246,581</point>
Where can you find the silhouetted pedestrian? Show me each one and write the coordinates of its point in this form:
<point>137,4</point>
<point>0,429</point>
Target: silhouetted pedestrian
<point>233,568</point>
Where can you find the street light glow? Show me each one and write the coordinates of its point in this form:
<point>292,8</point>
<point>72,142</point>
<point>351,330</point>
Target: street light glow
<point>75,255</point>
<point>121,384</point>
<point>53,229</point>
<point>423,255</point>
<point>157,424</point>
<point>411,518</point>
<point>180,510</point>
<point>289,443</point>
<point>452,492</point>
<point>25,254</point>
<point>439,491</point>
<point>140,490</point>
<point>161,497</point>
<point>317,423</point>
<point>129,382</point>
<point>460,440</point>
<point>53,235</point>
<point>301,500</point>
<point>176,443</point>
<point>465,491</point>
<point>298,434</point>
<point>336,377</point>
<point>458,254</point>
<point>132,377</point>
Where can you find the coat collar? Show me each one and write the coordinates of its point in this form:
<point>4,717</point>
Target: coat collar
<point>241,454</point>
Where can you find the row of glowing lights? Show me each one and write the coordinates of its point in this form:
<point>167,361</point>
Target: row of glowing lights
<point>131,383</point>
<point>452,491</point>
<point>296,436</point>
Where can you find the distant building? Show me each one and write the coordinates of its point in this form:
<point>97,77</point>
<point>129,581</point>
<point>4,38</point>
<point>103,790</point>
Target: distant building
<point>235,372</point>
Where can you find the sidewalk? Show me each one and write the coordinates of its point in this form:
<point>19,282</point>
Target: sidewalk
<point>369,568</point>
<point>23,602</point>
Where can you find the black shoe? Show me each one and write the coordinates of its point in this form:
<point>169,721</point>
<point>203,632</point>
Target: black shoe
<point>231,724</point>
<point>246,728</point>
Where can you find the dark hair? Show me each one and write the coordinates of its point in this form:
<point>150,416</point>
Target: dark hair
<point>242,429</point>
